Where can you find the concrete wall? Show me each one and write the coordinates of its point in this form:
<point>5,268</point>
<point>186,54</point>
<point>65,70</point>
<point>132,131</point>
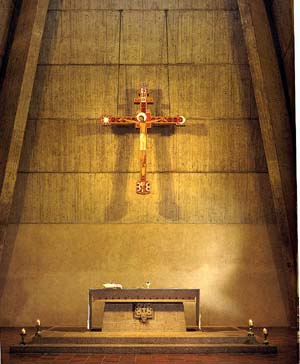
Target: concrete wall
<point>77,222</point>
<point>6,8</point>
<point>283,14</point>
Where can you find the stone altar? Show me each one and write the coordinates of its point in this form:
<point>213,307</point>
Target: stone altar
<point>144,309</point>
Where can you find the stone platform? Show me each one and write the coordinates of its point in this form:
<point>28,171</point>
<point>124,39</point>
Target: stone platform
<point>210,340</point>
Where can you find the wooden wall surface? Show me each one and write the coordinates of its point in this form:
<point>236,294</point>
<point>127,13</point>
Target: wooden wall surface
<point>209,179</point>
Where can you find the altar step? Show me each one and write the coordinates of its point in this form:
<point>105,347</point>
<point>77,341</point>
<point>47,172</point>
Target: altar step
<point>236,341</point>
<point>144,348</point>
<point>147,340</point>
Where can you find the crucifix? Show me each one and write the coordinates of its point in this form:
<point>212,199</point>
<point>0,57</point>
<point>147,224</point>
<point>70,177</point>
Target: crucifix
<point>143,121</point>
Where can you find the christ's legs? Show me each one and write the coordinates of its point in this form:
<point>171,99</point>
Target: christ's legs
<point>142,186</point>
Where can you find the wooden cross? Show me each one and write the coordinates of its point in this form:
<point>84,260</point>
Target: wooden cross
<point>143,121</point>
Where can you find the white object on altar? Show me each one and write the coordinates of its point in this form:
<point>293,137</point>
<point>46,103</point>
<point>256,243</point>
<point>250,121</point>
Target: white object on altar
<point>112,285</point>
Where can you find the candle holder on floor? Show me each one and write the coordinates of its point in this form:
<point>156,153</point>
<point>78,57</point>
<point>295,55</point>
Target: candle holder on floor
<point>250,329</point>
<point>38,328</point>
<point>266,334</point>
<point>23,334</point>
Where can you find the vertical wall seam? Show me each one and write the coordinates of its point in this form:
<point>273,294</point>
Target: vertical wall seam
<point>168,64</point>
<point>119,58</point>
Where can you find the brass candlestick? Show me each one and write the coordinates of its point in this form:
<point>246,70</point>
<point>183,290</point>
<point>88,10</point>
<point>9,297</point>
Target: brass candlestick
<point>250,329</point>
<point>38,328</point>
<point>266,334</point>
<point>23,334</point>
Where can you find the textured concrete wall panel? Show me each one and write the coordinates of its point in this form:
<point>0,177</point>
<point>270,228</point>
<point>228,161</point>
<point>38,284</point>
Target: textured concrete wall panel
<point>205,37</point>
<point>212,91</point>
<point>142,4</point>
<point>74,92</point>
<point>63,145</point>
<point>143,37</point>
<point>95,36</point>
<point>198,91</point>
<point>110,197</point>
<point>81,37</point>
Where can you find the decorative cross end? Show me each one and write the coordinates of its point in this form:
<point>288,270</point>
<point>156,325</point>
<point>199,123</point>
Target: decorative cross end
<point>143,187</point>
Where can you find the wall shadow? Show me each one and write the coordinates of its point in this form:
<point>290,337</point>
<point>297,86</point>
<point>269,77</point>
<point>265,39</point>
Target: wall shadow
<point>118,206</point>
<point>168,205</point>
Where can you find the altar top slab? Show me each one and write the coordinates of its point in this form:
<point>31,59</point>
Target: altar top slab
<point>137,294</point>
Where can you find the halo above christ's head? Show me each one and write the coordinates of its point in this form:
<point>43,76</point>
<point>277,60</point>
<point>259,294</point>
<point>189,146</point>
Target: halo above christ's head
<point>143,115</point>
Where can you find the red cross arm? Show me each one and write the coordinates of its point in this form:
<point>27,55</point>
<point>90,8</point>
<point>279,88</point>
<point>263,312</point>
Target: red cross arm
<point>118,120</point>
<point>138,100</point>
<point>167,120</point>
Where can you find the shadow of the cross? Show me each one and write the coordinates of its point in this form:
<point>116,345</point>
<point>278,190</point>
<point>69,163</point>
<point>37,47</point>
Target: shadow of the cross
<point>126,150</point>
<point>118,206</point>
<point>168,204</point>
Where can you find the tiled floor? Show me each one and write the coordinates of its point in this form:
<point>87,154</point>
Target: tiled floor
<point>285,339</point>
